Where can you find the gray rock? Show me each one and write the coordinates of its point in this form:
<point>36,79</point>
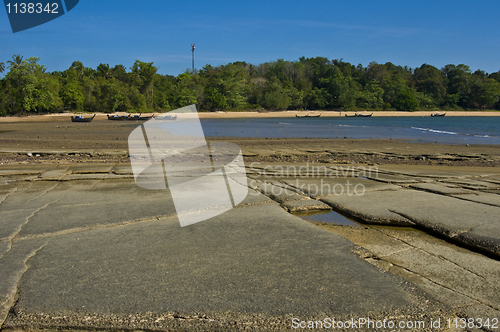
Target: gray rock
<point>305,205</point>
<point>468,222</point>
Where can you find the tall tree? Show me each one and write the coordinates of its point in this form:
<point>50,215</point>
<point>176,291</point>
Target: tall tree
<point>143,74</point>
<point>460,82</point>
<point>484,93</point>
<point>371,96</point>
<point>33,89</point>
<point>103,70</point>
<point>72,96</point>
<point>495,76</point>
<point>275,97</point>
<point>431,82</point>
<point>16,62</point>
<point>185,92</point>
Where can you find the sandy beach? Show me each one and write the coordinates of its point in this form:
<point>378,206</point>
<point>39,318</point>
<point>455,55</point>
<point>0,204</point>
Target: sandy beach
<point>221,115</point>
<point>83,247</point>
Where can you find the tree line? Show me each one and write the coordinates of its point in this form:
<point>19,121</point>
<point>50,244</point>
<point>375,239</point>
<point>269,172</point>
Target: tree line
<point>309,83</point>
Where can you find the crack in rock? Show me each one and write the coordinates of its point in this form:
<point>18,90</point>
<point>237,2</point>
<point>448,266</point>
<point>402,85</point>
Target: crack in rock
<point>430,254</point>
<point>8,299</point>
<point>85,229</point>
<point>433,227</point>
<point>44,192</point>
<point>439,284</point>
<point>12,237</point>
<point>9,194</point>
<point>96,183</point>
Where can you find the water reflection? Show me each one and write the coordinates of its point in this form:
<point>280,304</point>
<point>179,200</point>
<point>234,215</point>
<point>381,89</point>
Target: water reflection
<point>328,217</point>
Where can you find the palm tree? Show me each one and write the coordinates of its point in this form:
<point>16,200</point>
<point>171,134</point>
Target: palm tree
<point>103,70</point>
<point>18,61</point>
<point>2,67</point>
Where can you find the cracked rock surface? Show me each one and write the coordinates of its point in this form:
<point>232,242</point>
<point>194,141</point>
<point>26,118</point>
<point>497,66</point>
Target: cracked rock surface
<point>82,246</point>
<point>464,280</point>
<point>102,253</point>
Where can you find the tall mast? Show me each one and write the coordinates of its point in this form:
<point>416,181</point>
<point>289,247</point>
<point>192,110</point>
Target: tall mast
<point>192,51</point>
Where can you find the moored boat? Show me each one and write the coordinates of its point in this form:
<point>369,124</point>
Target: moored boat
<point>356,115</point>
<point>79,118</point>
<point>365,115</point>
<point>307,116</point>
<point>141,117</point>
<point>438,114</point>
<point>118,117</point>
<point>166,117</point>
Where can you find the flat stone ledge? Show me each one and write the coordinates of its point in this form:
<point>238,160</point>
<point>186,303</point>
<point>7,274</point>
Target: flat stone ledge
<point>305,205</point>
<point>470,223</point>
<point>440,188</point>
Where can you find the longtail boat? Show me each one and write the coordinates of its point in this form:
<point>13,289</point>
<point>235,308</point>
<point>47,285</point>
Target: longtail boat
<point>140,117</point>
<point>80,118</point>
<point>307,116</point>
<point>356,115</point>
<point>166,117</point>
<point>118,117</point>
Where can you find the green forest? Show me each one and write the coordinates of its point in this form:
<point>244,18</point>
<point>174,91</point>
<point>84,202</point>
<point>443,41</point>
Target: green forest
<point>309,83</point>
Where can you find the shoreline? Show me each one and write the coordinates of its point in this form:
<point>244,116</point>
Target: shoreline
<point>344,151</point>
<point>55,139</point>
<point>228,115</point>
<point>337,114</point>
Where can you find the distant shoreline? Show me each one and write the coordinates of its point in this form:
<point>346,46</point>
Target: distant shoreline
<point>336,114</point>
<point>223,115</point>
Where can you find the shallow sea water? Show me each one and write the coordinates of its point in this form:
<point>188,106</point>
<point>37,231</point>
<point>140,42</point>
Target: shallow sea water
<point>445,130</point>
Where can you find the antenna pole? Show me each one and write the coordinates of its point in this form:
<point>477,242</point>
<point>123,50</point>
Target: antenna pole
<point>192,51</point>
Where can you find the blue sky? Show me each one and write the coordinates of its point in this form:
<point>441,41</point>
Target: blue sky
<point>402,32</point>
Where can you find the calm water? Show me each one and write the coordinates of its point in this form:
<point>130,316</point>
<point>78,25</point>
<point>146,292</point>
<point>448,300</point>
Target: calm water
<point>445,130</point>
<point>331,217</point>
